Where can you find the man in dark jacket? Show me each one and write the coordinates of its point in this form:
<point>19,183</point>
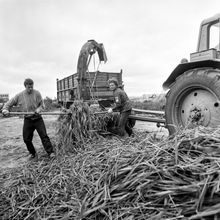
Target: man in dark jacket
<point>122,105</point>
<point>30,100</point>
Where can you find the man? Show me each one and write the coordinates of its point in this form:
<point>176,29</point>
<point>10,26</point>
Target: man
<point>122,105</point>
<point>30,100</point>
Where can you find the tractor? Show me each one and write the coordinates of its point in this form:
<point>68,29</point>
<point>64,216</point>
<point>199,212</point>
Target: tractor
<point>193,96</point>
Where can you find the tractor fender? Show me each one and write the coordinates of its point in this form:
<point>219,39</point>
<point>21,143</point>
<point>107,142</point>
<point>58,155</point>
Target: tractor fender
<point>183,67</point>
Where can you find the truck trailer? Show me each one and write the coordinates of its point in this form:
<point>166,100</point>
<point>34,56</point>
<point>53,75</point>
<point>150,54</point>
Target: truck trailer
<point>86,85</point>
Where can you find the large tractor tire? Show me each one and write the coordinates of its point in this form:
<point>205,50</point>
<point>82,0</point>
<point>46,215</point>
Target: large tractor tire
<point>194,100</point>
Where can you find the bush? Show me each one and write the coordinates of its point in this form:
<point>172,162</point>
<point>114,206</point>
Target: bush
<point>50,104</point>
<point>149,105</point>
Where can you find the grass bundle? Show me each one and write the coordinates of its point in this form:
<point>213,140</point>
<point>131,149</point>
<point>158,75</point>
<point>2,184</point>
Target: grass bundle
<point>137,178</point>
<point>80,126</point>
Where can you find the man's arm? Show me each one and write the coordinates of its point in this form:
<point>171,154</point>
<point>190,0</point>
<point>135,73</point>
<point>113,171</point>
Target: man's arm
<point>40,106</point>
<point>7,106</point>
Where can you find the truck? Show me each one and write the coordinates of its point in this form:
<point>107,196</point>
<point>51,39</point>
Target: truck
<point>193,97</point>
<point>90,86</point>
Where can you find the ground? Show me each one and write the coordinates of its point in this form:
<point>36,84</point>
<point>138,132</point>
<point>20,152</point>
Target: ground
<point>13,152</point>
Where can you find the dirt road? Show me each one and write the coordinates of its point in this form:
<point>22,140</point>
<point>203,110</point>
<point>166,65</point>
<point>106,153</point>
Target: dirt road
<point>13,151</point>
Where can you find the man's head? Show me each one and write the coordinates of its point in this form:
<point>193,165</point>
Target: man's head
<point>184,60</point>
<point>29,84</point>
<point>113,83</point>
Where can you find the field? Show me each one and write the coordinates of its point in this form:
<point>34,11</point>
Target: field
<point>13,151</point>
<point>148,176</point>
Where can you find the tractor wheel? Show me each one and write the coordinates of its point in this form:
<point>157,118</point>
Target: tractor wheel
<point>193,100</point>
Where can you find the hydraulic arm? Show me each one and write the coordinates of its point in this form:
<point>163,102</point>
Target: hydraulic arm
<point>88,49</point>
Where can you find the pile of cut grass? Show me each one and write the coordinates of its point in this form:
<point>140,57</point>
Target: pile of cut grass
<point>136,178</point>
<point>80,126</point>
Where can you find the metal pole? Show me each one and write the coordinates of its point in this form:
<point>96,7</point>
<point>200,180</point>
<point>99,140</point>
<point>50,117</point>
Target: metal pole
<point>152,112</point>
<point>141,118</point>
<point>135,117</point>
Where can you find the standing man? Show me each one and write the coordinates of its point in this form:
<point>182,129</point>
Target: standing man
<point>122,105</point>
<point>30,100</point>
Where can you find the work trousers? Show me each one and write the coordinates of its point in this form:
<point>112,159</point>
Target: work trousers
<point>28,131</point>
<point>123,125</point>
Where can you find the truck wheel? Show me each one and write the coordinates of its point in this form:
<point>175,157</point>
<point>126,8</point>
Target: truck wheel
<point>193,100</point>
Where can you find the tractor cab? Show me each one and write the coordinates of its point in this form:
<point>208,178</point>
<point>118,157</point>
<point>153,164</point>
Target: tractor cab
<point>208,47</point>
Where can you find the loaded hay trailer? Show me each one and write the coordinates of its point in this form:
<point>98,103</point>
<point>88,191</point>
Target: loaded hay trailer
<point>97,87</point>
<point>87,85</point>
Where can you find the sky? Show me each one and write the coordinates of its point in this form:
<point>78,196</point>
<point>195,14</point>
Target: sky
<point>41,39</point>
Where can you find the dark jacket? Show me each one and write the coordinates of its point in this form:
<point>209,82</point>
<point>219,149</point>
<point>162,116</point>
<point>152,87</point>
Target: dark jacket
<point>122,102</point>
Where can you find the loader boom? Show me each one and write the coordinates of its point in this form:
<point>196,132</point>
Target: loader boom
<point>88,49</point>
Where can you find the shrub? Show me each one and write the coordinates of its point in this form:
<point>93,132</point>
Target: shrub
<point>50,104</point>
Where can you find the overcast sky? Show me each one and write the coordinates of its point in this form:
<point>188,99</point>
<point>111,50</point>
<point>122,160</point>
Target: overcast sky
<point>41,39</point>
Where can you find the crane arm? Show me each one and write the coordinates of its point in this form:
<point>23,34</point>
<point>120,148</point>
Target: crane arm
<point>86,52</point>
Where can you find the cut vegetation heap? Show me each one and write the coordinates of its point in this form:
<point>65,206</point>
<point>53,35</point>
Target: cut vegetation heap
<point>137,178</point>
<point>81,125</point>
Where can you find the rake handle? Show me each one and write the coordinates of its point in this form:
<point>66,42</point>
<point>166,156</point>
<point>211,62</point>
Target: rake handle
<point>48,113</point>
<point>33,113</point>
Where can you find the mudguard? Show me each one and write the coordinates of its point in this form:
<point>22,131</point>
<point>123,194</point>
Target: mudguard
<point>183,67</point>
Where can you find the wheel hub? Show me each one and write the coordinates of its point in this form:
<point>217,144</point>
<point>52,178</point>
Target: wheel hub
<point>199,116</point>
<point>199,108</point>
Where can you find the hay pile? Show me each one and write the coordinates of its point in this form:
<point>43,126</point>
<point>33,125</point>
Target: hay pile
<point>136,178</point>
<point>80,126</point>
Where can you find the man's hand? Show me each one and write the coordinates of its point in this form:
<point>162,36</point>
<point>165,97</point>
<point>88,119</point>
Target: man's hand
<point>5,112</point>
<point>69,112</point>
<point>38,110</point>
<point>110,110</point>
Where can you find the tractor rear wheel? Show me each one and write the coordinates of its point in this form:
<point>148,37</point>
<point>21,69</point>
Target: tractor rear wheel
<point>193,100</point>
